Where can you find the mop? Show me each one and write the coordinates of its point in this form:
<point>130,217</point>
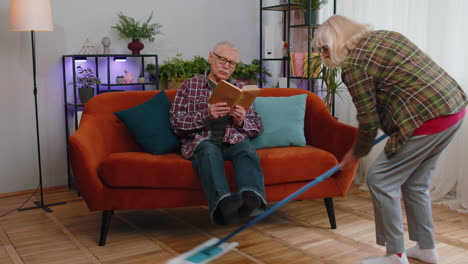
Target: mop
<point>215,248</point>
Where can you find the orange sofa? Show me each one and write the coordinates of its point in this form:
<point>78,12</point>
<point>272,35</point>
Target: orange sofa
<point>112,172</point>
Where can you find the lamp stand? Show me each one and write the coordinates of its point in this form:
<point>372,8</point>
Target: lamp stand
<point>40,204</point>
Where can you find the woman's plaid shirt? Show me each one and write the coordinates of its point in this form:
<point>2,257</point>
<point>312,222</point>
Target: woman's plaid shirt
<point>396,87</point>
<point>191,121</point>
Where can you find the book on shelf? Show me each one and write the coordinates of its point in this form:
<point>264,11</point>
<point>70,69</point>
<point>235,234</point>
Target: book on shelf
<point>232,95</point>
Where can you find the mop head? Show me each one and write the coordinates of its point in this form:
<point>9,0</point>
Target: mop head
<point>204,253</point>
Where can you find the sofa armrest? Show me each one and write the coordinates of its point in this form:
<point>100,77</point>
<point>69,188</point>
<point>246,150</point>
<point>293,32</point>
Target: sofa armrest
<point>95,139</point>
<point>324,131</point>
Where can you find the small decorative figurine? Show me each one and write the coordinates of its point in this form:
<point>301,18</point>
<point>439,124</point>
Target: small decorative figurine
<point>88,48</point>
<point>106,45</point>
<point>128,77</point>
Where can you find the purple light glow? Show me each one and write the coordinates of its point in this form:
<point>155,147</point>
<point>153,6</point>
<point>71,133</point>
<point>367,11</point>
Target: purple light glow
<point>120,59</point>
<point>81,59</point>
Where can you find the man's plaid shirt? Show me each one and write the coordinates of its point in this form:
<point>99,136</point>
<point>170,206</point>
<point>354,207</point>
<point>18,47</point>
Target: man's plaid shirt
<point>191,120</point>
<point>397,87</point>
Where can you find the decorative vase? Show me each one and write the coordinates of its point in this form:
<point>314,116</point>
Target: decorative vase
<point>135,46</point>
<point>85,94</point>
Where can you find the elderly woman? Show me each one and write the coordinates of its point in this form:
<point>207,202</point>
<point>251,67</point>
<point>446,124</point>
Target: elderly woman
<point>398,88</point>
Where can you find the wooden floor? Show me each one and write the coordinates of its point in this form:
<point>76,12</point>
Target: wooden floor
<point>298,233</point>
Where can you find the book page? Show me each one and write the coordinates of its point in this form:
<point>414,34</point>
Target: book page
<point>249,93</point>
<point>225,92</point>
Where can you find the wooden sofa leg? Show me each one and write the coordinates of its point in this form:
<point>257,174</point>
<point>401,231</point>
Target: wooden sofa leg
<point>330,212</point>
<point>105,224</point>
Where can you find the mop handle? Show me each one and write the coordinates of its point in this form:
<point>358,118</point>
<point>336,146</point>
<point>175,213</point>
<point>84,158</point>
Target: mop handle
<point>288,199</point>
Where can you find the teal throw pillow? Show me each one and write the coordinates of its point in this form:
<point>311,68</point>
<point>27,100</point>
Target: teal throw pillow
<point>283,121</point>
<point>149,124</point>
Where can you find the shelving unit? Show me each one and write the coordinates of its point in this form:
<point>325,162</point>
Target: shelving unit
<point>105,69</point>
<point>287,31</point>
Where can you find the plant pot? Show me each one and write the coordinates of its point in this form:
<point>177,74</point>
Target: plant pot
<point>120,80</point>
<point>85,94</point>
<point>310,17</point>
<point>174,85</point>
<point>170,85</point>
<point>141,79</point>
<point>252,82</point>
<point>135,46</point>
<point>152,78</point>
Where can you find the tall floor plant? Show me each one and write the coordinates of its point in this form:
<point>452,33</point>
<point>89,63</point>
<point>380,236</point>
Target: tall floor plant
<point>331,79</point>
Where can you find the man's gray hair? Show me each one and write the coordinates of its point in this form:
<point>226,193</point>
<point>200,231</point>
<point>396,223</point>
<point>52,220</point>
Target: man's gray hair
<point>227,44</point>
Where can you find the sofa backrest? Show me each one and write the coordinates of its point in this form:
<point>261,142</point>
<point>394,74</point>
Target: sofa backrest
<point>101,109</point>
<point>107,103</point>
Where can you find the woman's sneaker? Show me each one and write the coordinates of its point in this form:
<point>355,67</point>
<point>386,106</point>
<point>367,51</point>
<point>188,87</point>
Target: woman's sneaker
<point>424,255</point>
<point>389,259</point>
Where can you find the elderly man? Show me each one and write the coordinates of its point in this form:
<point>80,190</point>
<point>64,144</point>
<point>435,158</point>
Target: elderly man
<point>213,133</point>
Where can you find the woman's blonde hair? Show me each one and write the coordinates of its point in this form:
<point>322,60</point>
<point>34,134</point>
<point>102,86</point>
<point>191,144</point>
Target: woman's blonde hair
<point>341,35</point>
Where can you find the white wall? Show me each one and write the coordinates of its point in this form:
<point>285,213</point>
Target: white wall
<point>190,28</point>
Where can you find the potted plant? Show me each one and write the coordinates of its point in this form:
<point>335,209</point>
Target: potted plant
<point>129,28</point>
<point>151,69</point>
<point>175,70</point>
<point>311,8</point>
<point>85,82</point>
<point>250,73</point>
<point>120,79</point>
<point>331,79</point>
<point>172,72</point>
<point>141,77</point>
<point>196,66</point>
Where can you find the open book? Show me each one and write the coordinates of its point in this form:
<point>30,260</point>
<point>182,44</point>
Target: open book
<point>229,93</point>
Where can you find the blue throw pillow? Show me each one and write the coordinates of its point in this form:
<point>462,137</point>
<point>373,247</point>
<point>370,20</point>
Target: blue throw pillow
<point>283,121</point>
<point>149,124</point>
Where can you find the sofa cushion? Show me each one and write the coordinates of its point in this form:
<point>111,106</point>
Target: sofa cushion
<point>283,121</point>
<point>294,164</point>
<point>149,125</point>
<point>280,165</point>
<point>138,169</point>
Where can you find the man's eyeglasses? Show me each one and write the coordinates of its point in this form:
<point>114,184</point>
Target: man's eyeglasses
<point>222,61</point>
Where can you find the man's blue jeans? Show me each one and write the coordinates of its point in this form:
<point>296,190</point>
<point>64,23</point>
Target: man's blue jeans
<point>208,160</point>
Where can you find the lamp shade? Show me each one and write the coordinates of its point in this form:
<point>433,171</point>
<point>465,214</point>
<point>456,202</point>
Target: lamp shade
<point>27,15</point>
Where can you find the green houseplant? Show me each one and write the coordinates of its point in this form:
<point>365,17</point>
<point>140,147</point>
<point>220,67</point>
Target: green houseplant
<point>172,72</point>
<point>129,28</point>
<point>250,73</point>
<point>311,8</point>
<point>151,69</point>
<point>119,79</point>
<point>141,77</point>
<point>85,82</point>
<point>331,79</point>
<point>175,70</point>
<point>196,66</point>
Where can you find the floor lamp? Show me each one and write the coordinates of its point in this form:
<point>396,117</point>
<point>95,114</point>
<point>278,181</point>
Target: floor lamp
<point>33,15</point>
